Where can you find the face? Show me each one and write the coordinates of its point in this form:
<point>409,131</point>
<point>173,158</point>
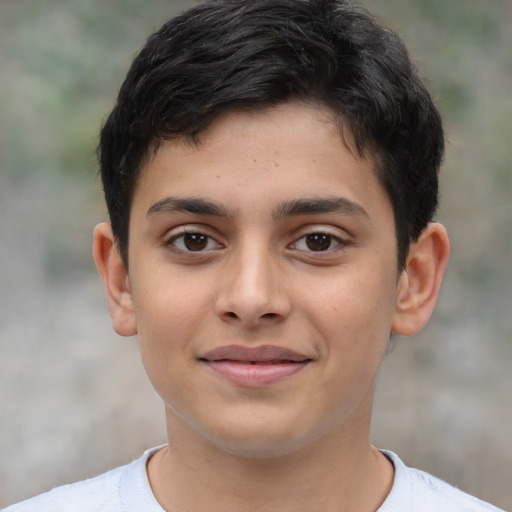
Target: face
<point>262,269</point>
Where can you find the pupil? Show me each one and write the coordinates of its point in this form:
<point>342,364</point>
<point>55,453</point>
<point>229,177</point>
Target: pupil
<point>318,242</point>
<point>195,241</point>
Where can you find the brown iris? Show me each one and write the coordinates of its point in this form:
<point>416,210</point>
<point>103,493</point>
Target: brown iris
<point>318,241</point>
<point>195,241</point>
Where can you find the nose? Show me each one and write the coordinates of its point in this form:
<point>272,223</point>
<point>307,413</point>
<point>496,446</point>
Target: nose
<point>252,288</point>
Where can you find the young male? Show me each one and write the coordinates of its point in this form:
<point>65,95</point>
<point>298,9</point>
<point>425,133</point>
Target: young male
<point>270,170</point>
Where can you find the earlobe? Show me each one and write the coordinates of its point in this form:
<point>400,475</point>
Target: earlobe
<point>419,283</point>
<point>115,280</point>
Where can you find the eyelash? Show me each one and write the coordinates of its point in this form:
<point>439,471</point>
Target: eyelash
<point>331,239</point>
<point>172,242</point>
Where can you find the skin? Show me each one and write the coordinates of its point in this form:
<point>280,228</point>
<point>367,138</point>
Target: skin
<point>264,271</point>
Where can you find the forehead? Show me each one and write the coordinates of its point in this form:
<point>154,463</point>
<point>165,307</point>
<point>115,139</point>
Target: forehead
<point>281,153</point>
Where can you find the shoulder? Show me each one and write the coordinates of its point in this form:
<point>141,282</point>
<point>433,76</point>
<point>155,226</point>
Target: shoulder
<point>416,490</point>
<point>108,491</point>
<point>99,493</point>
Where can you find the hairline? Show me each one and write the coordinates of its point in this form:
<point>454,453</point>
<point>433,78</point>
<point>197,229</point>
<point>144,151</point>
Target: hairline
<point>367,151</point>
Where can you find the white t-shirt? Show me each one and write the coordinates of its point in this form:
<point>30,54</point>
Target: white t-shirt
<point>127,489</point>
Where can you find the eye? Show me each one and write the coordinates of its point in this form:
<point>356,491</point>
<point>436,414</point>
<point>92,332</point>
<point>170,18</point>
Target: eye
<point>317,242</point>
<point>193,242</point>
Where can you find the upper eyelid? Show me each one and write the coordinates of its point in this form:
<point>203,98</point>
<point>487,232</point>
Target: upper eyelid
<point>340,240</point>
<point>187,231</point>
<point>170,243</point>
<point>322,232</point>
<point>336,232</point>
<point>190,229</point>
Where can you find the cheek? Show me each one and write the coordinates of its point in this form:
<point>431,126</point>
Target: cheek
<point>352,299</point>
<point>166,329</point>
<point>169,317</point>
<point>353,312</point>
<point>170,302</point>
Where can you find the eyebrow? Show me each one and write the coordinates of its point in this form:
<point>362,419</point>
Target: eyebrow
<point>315,206</point>
<point>290,208</point>
<point>195,205</point>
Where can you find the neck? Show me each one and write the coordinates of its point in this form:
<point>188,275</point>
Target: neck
<point>336,473</point>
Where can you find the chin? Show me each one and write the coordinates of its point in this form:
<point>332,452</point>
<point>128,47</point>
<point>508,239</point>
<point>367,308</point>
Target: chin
<point>257,441</point>
<point>260,449</point>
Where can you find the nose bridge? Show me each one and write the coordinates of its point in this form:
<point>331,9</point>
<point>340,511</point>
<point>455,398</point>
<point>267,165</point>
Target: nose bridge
<point>251,290</point>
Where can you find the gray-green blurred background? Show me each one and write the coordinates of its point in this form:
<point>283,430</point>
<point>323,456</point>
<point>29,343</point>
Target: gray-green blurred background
<point>73,397</point>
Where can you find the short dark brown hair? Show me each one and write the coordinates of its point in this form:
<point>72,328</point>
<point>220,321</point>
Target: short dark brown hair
<point>227,55</point>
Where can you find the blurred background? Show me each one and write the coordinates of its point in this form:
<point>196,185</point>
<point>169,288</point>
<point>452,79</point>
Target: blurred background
<point>74,400</point>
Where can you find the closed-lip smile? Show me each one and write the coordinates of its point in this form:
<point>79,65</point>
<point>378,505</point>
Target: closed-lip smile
<point>254,366</point>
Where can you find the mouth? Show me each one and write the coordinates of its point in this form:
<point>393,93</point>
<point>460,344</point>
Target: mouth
<point>255,366</point>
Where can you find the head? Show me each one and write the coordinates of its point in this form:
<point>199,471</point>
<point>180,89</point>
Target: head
<point>231,56</point>
<point>267,167</point>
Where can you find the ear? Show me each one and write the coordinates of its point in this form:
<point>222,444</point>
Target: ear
<point>115,280</point>
<point>419,282</point>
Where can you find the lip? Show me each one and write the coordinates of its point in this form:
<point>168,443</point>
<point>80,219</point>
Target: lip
<point>255,366</point>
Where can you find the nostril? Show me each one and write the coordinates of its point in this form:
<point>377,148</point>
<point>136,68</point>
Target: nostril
<point>269,315</point>
<point>231,314</point>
